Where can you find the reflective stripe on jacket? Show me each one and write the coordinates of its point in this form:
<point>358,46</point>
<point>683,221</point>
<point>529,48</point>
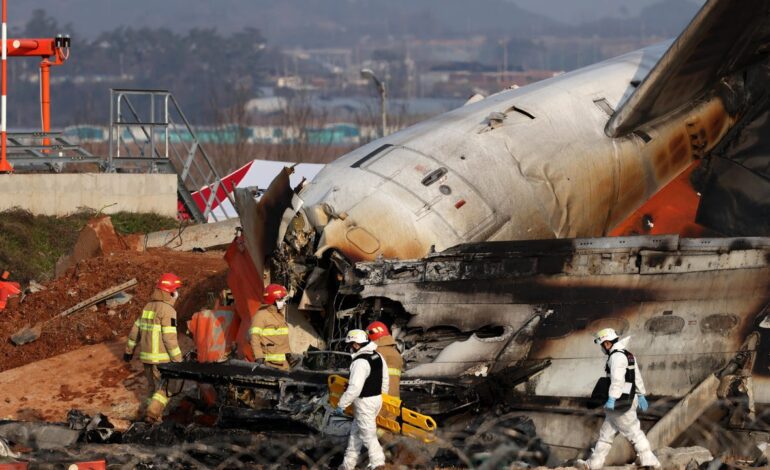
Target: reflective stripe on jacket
<point>269,336</point>
<point>155,331</point>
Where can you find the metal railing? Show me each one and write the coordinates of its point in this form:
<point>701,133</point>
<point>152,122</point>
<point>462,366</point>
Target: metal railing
<point>148,131</point>
<point>45,149</point>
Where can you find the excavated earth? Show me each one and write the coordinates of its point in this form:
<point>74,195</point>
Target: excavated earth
<point>202,274</point>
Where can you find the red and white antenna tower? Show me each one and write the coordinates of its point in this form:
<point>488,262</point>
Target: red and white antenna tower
<point>5,167</point>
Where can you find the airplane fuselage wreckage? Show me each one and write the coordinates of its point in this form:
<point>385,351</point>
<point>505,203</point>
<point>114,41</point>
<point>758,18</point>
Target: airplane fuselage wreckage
<point>486,238</point>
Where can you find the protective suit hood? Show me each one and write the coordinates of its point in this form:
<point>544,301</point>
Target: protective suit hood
<point>621,344</point>
<point>370,347</point>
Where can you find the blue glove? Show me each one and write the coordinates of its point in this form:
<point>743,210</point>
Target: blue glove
<point>642,402</point>
<point>610,405</point>
<point>339,411</point>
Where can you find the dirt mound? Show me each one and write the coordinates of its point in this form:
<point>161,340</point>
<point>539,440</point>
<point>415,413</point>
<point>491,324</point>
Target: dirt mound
<point>201,273</point>
<point>97,238</point>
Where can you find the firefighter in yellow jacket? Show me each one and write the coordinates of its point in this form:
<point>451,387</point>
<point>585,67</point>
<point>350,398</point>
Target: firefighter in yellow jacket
<point>386,346</point>
<point>155,334</point>
<point>269,332</point>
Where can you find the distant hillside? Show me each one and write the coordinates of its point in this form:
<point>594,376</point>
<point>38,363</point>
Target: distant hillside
<point>664,18</point>
<point>576,12</point>
<point>293,22</point>
<point>322,23</point>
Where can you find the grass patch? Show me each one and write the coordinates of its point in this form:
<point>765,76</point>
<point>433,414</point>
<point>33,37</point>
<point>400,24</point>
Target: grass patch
<point>129,222</point>
<point>31,244</point>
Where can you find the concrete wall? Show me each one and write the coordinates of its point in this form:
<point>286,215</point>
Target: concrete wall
<point>61,194</point>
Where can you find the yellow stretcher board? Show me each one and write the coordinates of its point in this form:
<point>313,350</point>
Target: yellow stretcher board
<point>393,416</point>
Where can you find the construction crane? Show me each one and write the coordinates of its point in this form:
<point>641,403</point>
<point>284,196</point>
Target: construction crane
<point>52,52</point>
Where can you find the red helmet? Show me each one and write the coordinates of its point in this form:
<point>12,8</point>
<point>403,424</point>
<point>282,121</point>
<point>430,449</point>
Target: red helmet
<point>274,292</point>
<point>377,330</point>
<point>169,282</point>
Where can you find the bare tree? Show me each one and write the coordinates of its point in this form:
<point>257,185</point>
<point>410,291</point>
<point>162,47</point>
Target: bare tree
<point>303,124</point>
<point>368,119</point>
<point>232,123</point>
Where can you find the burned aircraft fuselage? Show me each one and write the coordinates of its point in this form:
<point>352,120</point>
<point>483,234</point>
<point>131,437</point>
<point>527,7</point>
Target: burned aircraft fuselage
<point>549,161</point>
<point>474,236</point>
<point>526,163</point>
<point>519,317</point>
<point>689,305</point>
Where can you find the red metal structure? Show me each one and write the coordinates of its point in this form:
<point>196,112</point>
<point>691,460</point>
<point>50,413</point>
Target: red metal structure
<point>5,167</point>
<point>52,51</point>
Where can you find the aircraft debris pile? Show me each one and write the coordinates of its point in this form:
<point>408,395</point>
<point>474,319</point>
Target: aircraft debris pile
<point>489,443</point>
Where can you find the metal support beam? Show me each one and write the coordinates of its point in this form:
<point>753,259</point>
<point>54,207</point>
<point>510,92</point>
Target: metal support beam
<point>674,423</point>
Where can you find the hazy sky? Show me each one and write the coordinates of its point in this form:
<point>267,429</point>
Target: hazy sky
<point>93,16</point>
<point>580,11</point>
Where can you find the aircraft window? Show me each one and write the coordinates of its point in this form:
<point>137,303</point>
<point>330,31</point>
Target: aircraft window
<point>434,176</point>
<point>371,154</point>
<point>490,331</point>
<point>665,325</point>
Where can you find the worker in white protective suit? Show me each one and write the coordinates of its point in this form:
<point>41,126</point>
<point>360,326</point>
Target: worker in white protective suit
<point>368,381</point>
<point>626,393</point>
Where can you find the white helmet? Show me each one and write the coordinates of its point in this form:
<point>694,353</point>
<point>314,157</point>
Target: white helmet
<point>357,336</point>
<point>607,334</point>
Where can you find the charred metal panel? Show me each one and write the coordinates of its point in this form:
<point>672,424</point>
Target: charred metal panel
<point>241,373</point>
<point>688,304</point>
<point>273,421</point>
<point>455,314</point>
<point>736,183</point>
<point>672,360</point>
<point>736,200</point>
<point>657,262</point>
<point>261,220</point>
<point>517,259</point>
<point>454,356</point>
